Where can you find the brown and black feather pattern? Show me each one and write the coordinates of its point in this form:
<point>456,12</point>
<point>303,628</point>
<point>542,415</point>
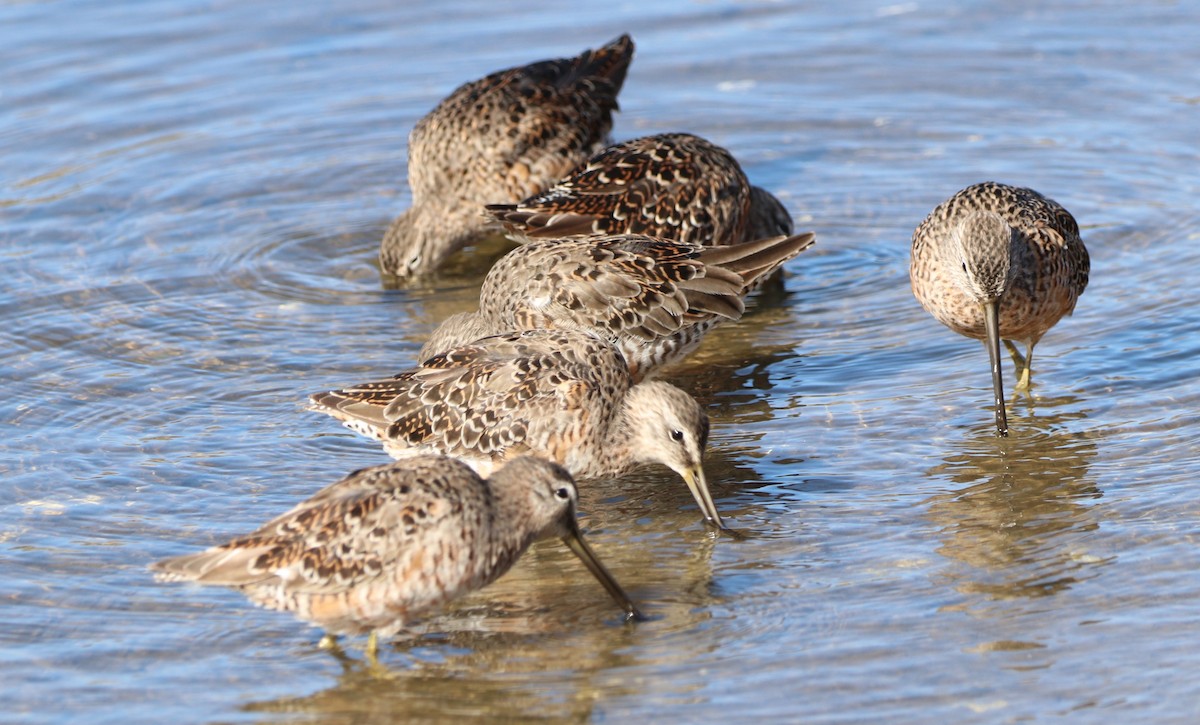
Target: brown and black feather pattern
<point>500,138</point>
<point>675,186</point>
<point>652,298</point>
<point>385,544</point>
<point>541,391</point>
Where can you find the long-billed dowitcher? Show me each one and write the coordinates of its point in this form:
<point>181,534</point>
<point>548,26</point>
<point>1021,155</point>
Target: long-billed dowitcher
<point>999,262</point>
<point>564,395</point>
<point>675,186</point>
<point>652,298</point>
<point>386,544</point>
<point>500,138</point>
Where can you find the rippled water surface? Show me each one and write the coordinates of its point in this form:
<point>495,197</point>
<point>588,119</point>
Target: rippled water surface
<point>190,201</point>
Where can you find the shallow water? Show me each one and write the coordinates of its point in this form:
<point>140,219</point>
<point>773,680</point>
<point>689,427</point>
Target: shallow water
<point>191,199</point>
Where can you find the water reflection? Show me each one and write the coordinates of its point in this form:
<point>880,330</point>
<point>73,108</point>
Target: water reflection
<point>501,677</point>
<point>540,642</point>
<point>731,375</point>
<point>471,264</point>
<point>1022,509</point>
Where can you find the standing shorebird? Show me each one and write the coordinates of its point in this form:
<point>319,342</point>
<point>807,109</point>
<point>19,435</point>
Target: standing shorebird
<point>559,394</point>
<point>383,545</point>
<point>503,137</point>
<point>673,185</point>
<point>998,262</point>
<point>654,299</point>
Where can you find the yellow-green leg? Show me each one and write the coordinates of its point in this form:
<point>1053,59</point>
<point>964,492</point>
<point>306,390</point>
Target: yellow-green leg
<point>330,642</point>
<point>1023,364</point>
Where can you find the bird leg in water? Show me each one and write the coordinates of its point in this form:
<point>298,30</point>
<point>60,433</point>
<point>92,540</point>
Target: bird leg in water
<point>1023,364</point>
<point>330,642</point>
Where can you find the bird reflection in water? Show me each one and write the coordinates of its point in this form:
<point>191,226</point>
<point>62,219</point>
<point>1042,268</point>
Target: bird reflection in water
<point>518,650</point>
<point>1020,510</point>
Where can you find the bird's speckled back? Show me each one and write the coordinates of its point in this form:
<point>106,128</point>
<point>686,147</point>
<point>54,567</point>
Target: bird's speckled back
<point>673,185</point>
<point>497,139</point>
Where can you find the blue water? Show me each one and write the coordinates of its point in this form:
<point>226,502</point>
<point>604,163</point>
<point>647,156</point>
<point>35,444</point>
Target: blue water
<point>190,202</point>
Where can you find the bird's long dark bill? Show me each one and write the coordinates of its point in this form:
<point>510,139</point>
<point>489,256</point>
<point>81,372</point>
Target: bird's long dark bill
<point>698,485</point>
<point>991,327</point>
<point>574,541</point>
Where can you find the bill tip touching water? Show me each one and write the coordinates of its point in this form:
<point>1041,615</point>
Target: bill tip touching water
<point>667,238</point>
<point>500,138</point>
<point>630,255</point>
<point>384,545</point>
<point>999,263</point>
<point>192,247</point>
<point>565,395</point>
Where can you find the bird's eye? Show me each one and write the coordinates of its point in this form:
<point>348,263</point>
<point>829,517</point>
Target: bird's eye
<point>563,493</point>
<point>964,266</point>
<point>676,435</point>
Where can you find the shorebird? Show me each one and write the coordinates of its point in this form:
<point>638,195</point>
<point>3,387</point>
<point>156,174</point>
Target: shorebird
<point>503,137</point>
<point>673,185</point>
<point>998,262</point>
<point>564,395</point>
<point>653,299</point>
<point>384,545</point>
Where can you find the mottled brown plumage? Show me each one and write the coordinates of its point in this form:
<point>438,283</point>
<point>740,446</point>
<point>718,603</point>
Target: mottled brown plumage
<point>386,544</point>
<point>998,262</point>
<point>675,186</point>
<point>500,138</point>
<point>654,299</point>
<point>561,394</point>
